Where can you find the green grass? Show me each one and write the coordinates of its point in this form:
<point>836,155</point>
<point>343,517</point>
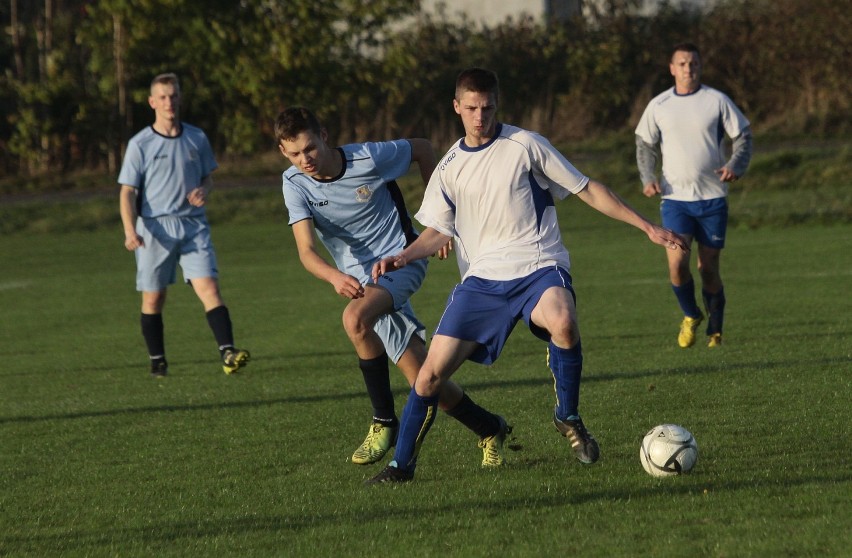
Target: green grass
<point>99,459</point>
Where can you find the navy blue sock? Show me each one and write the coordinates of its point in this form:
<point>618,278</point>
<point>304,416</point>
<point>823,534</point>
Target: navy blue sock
<point>686,298</point>
<point>219,320</point>
<point>477,419</point>
<point>377,379</point>
<point>417,419</point>
<point>715,306</point>
<point>153,333</point>
<point>567,368</point>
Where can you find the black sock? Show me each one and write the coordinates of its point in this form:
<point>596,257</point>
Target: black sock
<point>477,419</point>
<point>377,379</point>
<point>152,332</point>
<point>219,321</point>
<point>715,306</point>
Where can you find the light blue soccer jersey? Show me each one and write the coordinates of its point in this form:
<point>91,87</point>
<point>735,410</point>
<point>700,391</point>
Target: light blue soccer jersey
<point>360,215</point>
<point>166,169</point>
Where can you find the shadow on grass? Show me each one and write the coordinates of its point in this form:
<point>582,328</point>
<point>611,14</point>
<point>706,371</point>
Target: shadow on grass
<point>170,532</point>
<point>544,380</point>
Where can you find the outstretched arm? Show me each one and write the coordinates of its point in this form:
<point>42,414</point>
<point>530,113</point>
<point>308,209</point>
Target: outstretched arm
<point>607,202</point>
<point>429,242</point>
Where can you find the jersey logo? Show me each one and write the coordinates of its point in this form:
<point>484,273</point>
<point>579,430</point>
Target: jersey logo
<point>363,194</point>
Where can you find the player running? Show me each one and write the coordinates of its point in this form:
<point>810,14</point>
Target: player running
<point>494,191</point>
<point>349,196</point>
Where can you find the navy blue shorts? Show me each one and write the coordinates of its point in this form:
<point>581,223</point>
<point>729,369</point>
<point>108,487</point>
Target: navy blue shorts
<point>705,220</point>
<point>486,311</point>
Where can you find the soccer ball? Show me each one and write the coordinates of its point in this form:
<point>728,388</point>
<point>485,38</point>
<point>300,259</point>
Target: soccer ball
<point>668,449</point>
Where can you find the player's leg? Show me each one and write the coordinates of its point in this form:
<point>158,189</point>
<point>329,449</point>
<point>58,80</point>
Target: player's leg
<point>198,262</point>
<point>556,313</point>
<point>713,292</point>
<point>677,217</point>
<point>491,429</point>
<point>156,269</point>
<point>445,356</point>
<point>153,331</point>
<point>360,320</point>
<point>711,239</point>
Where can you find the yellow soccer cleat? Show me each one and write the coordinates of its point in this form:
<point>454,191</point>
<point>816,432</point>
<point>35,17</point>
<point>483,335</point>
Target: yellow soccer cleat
<point>715,340</point>
<point>379,440</point>
<point>492,446</point>
<point>233,359</point>
<point>686,337</point>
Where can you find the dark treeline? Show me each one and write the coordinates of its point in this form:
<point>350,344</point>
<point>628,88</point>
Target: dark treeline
<point>76,72</point>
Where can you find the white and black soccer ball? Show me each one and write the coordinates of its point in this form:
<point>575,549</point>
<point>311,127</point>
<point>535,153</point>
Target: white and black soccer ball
<point>668,449</point>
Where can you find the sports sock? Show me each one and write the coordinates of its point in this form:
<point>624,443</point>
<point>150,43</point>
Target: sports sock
<point>152,332</point>
<point>685,295</point>
<point>474,417</point>
<point>715,306</point>
<point>567,368</point>
<point>417,419</point>
<point>219,320</point>
<point>377,379</point>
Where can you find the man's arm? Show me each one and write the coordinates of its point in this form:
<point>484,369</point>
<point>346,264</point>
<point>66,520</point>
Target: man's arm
<point>344,285</point>
<point>607,202</point>
<point>198,196</point>
<point>740,156</point>
<point>428,243</point>
<point>423,154</point>
<point>646,160</point>
<point>127,209</point>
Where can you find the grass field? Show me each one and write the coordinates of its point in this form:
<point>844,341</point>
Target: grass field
<point>100,459</point>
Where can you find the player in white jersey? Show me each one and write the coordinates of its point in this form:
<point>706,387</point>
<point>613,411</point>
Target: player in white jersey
<point>349,196</point>
<point>689,123</point>
<point>494,191</point>
<point>165,180</point>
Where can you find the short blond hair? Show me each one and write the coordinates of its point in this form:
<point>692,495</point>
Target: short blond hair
<point>166,79</point>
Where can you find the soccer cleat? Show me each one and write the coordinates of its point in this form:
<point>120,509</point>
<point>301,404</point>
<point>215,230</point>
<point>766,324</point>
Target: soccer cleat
<point>391,474</point>
<point>686,337</point>
<point>492,446</point>
<point>715,340</point>
<point>233,359</point>
<point>159,368</point>
<point>379,440</point>
<point>582,442</point>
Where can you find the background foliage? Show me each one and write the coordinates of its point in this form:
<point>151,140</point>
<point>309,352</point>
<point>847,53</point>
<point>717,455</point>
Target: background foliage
<point>77,71</point>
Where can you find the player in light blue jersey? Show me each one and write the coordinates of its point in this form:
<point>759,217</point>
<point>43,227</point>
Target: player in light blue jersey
<point>689,123</point>
<point>349,197</point>
<point>165,180</point>
<point>494,191</point>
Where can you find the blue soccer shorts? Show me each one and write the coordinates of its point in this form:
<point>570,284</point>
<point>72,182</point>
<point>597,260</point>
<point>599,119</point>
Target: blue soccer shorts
<point>486,311</point>
<point>396,329</point>
<point>704,220</point>
<point>170,241</point>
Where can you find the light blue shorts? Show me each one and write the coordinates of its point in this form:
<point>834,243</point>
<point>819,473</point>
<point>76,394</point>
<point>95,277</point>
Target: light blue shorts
<point>486,311</point>
<point>706,220</point>
<point>170,241</point>
<point>395,329</point>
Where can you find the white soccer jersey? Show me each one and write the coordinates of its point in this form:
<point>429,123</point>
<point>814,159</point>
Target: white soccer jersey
<point>360,215</point>
<point>497,199</point>
<point>691,130</point>
<point>166,169</point>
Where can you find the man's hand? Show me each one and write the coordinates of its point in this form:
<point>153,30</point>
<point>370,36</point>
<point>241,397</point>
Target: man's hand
<point>386,265</point>
<point>726,175</point>
<point>197,197</point>
<point>651,189</point>
<point>444,251</point>
<point>347,286</point>
<point>667,238</point>
<point>132,241</point>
